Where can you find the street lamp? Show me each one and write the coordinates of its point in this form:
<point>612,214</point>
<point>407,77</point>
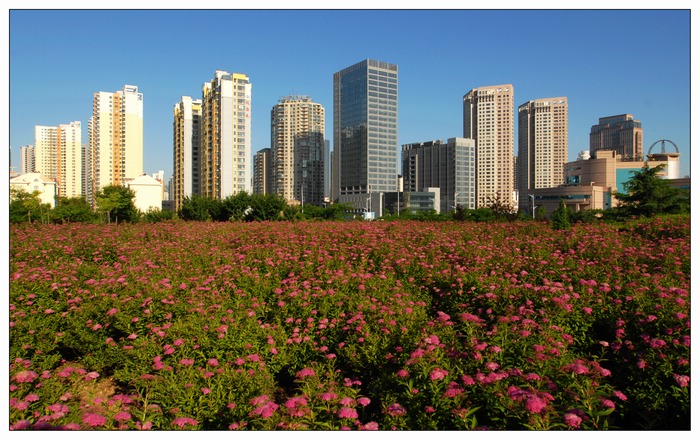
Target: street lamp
<point>532,199</point>
<point>592,197</point>
<point>456,194</point>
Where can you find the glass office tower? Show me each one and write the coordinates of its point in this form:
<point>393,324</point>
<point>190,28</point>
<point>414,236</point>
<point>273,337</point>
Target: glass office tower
<point>365,129</point>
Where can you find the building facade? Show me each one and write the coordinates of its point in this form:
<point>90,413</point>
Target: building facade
<point>26,159</point>
<point>30,182</point>
<point>262,172</point>
<point>115,139</point>
<point>621,134</point>
<point>186,130</point>
<point>365,129</point>
<point>297,151</point>
<point>449,166</point>
<point>225,149</point>
<point>57,156</point>
<point>543,145</point>
<point>488,119</point>
<point>591,183</point>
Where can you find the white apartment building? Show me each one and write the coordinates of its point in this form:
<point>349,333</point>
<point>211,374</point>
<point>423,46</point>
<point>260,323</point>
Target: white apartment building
<point>26,159</point>
<point>57,156</point>
<point>115,133</point>
<point>488,119</point>
<point>225,136</point>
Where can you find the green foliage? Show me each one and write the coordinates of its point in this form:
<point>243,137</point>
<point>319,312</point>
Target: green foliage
<point>540,213</point>
<point>117,203</point>
<point>155,215</point>
<point>27,207</point>
<point>196,208</point>
<point>265,207</point>
<point>73,209</point>
<point>336,211</point>
<point>647,195</point>
<point>586,216</point>
<point>561,217</point>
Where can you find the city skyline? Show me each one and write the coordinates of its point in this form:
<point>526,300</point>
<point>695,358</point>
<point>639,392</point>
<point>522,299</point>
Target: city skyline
<point>606,62</point>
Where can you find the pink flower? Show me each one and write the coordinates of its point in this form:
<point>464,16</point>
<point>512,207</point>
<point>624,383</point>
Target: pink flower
<point>364,401</point>
<point>619,395</point>
<point>347,401</point>
<point>371,426</point>
<point>206,391</point>
<point>181,422</point>
<point>395,410</point>
<point>21,425</point>
<point>535,404</point>
<point>608,403</point>
<point>186,362</point>
<point>572,420</point>
<point>122,415</point>
<point>347,413</point>
<point>25,376</point>
<point>681,379</point>
<point>91,375</point>
<point>438,374</point>
<point>402,373</point>
<point>305,373</point>
<point>33,397</point>
<point>94,420</point>
<point>328,396</point>
<point>112,311</point>
<point>213,362</point>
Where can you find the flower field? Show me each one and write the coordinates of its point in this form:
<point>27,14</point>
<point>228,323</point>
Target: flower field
<point>350,325</point>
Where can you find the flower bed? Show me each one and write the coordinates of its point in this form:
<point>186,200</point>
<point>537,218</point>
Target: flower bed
<point>350,325</point>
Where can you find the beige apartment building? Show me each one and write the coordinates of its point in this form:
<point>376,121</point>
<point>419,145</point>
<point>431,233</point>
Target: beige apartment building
<point>115,139</point>
<point>621,134</point>
<point>57,156</point>
<point>488,119</point>
<point>26,159</point>
<point>543,145</point>
<point>297,151</point>
<point>225,136</point>
<point>186,125</point>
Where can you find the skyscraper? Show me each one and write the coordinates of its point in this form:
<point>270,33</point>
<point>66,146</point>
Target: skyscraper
<point>57,156</point>
<point>225,137</point>
<point>488,119</point>
<point>115,133</point>
<point>621,133</point>
<point>543,145</point>
<point>365,129</point>
<point>298,140</point>
<point>186,126</point>
<point>26,159</point>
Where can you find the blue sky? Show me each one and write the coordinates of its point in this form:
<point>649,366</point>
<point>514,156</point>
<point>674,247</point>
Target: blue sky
<point>606,62</point>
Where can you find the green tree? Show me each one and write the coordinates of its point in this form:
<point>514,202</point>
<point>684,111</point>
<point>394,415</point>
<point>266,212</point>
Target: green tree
<point>27,207</point>
<point>561,217</point>
<point>73,209</point>
<point>155,215</point>
<point>117,203</point>
<point>648,194</point>
<point>266,207</point>
<point>540,213</point>
<point>196,208</point>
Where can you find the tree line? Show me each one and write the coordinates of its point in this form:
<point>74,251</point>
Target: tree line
<point>646,195</point>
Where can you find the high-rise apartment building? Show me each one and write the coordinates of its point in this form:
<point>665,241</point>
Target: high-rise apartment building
<point>186,130</point>
<point>449,166</point>
<point>543,145</point>
<point>225,136</point>
<point>26,159</point>
<point>621,134</point>
<point>57,156</point>
<point>115,133</point>
<point>262,172</point>
<point>365,129</point>
<point>488,119</point>
<point>327,171</point>
<point>298,141</point>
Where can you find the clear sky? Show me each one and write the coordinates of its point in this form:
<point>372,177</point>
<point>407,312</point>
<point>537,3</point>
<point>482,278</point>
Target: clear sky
<point>606,62</point>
